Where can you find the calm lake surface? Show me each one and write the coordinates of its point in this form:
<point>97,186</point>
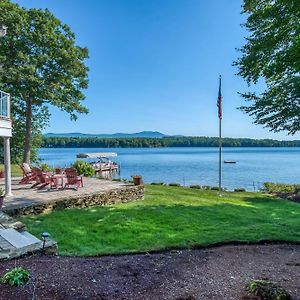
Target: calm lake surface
<point>196,165</point>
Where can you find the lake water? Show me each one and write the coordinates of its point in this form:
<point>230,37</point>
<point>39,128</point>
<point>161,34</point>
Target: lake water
<point>196,165</point>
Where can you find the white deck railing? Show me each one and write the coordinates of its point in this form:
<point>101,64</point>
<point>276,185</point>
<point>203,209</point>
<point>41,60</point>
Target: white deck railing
<point>4,105</point>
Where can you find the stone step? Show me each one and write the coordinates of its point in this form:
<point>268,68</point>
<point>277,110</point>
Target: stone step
<point>4,244</point>
<point>18,239</point>
<point>29,236</point>
<point>14,243</point>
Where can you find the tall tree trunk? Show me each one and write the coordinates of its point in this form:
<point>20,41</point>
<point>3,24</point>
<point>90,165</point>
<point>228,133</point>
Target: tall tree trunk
<point>26,154</point>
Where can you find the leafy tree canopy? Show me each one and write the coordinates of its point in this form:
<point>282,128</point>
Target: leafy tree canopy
<point>41,61</point>
<point>172,141</point>
<point>272,52</point>
<point>41,66</point>
<point>40,119</point>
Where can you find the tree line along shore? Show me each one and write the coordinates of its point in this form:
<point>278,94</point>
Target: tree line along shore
<point>97,142</point>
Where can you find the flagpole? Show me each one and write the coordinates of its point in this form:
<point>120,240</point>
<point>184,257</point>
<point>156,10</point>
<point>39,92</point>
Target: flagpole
<point>220,134</point>
<point>220,155</point>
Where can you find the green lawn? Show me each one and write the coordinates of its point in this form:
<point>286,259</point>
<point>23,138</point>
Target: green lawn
<point>15,170</point>
<point>170,217</point>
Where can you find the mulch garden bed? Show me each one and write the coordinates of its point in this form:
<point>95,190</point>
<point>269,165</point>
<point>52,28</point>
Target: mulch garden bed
<point>212,273</point>
<point>288,196</point>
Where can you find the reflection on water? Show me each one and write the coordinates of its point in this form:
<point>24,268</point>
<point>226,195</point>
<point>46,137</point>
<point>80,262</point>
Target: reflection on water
<point>196,165</point>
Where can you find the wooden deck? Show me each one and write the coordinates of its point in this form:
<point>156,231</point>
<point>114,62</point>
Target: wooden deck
<point>27,200</point>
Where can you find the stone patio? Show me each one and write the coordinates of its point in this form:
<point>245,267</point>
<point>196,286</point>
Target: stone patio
<point>27,200</point>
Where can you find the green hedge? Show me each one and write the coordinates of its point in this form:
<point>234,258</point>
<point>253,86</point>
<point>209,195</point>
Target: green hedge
<point>239,190</point>
<point>195,186</point>
<point>271,187</point>
<point>174,184</point>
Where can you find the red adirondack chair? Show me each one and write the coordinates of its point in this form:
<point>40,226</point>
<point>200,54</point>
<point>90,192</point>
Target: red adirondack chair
<point>28,175</point>
<point>45,179</point>
<point>36,171</point>
<point>73,178</point>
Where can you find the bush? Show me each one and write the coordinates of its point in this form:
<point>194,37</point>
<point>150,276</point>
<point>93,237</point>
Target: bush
<point>174,184</point>
<point>84,168</point>
<point>215,188</point>
<point>16,277</point>
<point>157,183</point>
<point>239,190</point>
<point>212,188</point>
<point>271,187</point>
<point>44,167</point>
<point>195,186</point>
<point>265,289</point>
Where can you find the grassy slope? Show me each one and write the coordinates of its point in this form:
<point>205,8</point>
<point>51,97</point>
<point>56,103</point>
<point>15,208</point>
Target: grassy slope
<point>170,217</point>
<point>15,170</point>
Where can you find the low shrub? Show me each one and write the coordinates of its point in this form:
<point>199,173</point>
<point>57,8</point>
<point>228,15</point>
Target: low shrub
<point>212,188</point>
<point>215,188</point>
<point>239,190</point>
<point>17,276</point>
<point>195,186</point>
<point>174,184</point>
<point>157,183</point>
<point>265,289</point>
<point>84,168</point>
<point>270,187</point>
<point>44,167</point>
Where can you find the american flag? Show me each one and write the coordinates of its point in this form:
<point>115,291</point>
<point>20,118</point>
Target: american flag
<point>219,103</point>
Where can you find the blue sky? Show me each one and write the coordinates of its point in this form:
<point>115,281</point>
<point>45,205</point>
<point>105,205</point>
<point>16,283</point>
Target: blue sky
<point>154,65</point>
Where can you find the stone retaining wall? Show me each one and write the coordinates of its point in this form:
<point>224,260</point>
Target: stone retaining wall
<point>119,195</point>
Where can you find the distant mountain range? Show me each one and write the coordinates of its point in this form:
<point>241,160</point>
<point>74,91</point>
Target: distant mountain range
<point>142,134</point>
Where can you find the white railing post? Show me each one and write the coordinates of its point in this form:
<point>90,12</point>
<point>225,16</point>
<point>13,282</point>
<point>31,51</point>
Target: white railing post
<point>8,106</point>
<point>7,167</point>
<point>1,101</point>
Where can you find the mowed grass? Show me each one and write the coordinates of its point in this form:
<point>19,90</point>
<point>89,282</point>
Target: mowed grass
<point>170,217</point>
<point>15,170</point>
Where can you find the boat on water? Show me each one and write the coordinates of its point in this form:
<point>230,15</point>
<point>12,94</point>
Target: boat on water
<point>229,162</point>
<point>101,161</point>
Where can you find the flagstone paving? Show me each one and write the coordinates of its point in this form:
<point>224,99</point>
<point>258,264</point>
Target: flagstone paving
<point>26,200</point>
